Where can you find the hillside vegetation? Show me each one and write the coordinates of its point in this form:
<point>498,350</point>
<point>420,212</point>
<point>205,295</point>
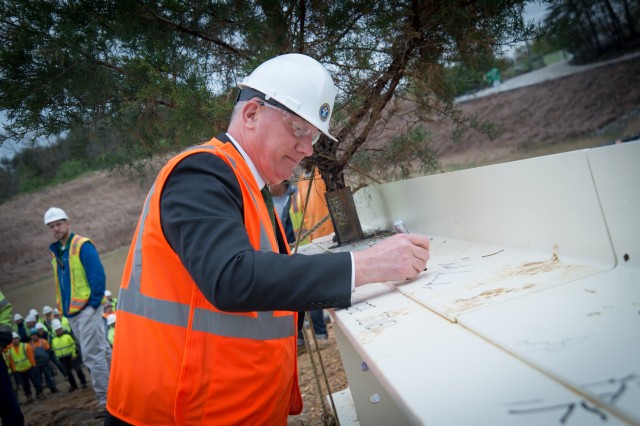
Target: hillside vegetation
<point>582,110</point>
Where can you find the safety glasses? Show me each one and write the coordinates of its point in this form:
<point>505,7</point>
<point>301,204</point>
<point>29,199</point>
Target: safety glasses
<point>299,128</point>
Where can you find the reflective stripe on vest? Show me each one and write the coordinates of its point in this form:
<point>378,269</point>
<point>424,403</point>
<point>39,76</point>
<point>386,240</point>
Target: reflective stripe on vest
<point>265,326</point>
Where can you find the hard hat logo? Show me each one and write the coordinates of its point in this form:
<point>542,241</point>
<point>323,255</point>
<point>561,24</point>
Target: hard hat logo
<point>325,112</point>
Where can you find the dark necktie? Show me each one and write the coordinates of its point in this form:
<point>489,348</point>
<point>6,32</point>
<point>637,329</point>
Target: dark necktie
<point>268,199</point>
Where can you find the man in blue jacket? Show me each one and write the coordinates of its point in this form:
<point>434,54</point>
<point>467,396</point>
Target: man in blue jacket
<point>80,285</point>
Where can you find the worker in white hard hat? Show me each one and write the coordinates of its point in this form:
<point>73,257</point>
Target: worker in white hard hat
<point>111,333</point>
<point>23,366</point>
<point>30,322</point>
<point>63,320</point>
<point>209,280</point>
<point>47,317</point>
<point>113,301</point>
<point>20,327</point>
<point>80,284</point>
<point>65,349</point>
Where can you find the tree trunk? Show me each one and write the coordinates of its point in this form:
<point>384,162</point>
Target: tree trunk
<point>615,22</point>
<point>629,17</point>
<point>586,11</point>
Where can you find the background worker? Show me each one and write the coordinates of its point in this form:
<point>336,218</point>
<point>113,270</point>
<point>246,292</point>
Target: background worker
<point>23,366</point>
<point>47,317</point>
<point>63,320</point>
<point>79,296</point>
<point>315,224</point>
<point>113,301</point>
<point>29,323</point>
<point>286,203</point>
<point>10,412</point>
<point>64,347</point>
<point>209,284</point>
<point>283,194</point>
<point>42,369</point>
<point>111,332</point>
<point>20,327</point>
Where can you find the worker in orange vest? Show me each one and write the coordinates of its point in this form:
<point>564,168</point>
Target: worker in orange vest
<point>23,366</point>
<point>209,283</point>
<point>41,351</point>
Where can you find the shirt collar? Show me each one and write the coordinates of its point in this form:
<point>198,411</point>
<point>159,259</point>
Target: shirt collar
<point>252,166</point>
<point>61,248</point>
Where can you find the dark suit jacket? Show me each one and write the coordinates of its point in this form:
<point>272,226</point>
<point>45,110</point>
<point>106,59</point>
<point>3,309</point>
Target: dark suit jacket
<point>202,218</point>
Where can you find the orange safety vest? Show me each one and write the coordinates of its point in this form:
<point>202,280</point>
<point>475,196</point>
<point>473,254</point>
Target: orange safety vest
<point>208,366</point>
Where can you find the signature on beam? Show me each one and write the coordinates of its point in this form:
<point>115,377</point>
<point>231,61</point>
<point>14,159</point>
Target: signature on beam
<point>613,390</point>
<point>566,410</point>
<point>358,305</point>
<point>551,345</point>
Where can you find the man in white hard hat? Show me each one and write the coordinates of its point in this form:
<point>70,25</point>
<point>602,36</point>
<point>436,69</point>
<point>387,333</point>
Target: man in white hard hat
<point>30,322</point>
<point>80,283</point>
<point>64,348</point>
<point>20,327</point>
<point>111,325</point>
<point>209,283</point>
<point>113,301</point>
<point>47,317</point>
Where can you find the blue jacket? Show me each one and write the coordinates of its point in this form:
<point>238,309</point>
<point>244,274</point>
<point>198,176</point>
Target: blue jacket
<point>92,267</point>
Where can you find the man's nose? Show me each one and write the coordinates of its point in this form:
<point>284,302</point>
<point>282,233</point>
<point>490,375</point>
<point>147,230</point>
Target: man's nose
<point>305,146</point>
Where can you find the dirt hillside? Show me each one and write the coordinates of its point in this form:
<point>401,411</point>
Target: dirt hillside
<point>595,106</point>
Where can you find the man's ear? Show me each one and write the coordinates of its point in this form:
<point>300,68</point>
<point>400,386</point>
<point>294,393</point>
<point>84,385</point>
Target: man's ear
<point>249,114</point>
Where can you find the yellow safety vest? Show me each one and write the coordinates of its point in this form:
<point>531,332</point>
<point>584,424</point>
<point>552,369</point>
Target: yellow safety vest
<point>63,345</point>
<point>80,289</point>
<point>21,361</point>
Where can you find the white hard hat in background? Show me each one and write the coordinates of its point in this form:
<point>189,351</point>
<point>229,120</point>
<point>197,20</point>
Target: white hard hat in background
<point>15,335</point>
<point>56,311</point>
<point>17,317</point>
<point>107,293</point>
<point>298,82</point>
<point>111,318</point>
<point>47,310</point>
<point>56,324</point>
<point>39,326</point>
<point>53,214</point>
<point>30,318</point>
<point>33,312</point>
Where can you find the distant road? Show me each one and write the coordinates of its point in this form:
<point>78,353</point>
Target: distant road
<point>550,72</point>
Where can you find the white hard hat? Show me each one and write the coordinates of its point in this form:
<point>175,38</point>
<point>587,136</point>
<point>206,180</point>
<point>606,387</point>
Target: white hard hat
<point>17,317</point>
<point>56,324</point>
<point>53,214</point>
<point>111,318</point>
<point>47,310</point>
<point>107,293</point>
<point>39,326</point>
<point>15,335</point>
<point>56,311</point>
<point>33,312</point>
<point>299,83</point>
<point>30,318</point>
